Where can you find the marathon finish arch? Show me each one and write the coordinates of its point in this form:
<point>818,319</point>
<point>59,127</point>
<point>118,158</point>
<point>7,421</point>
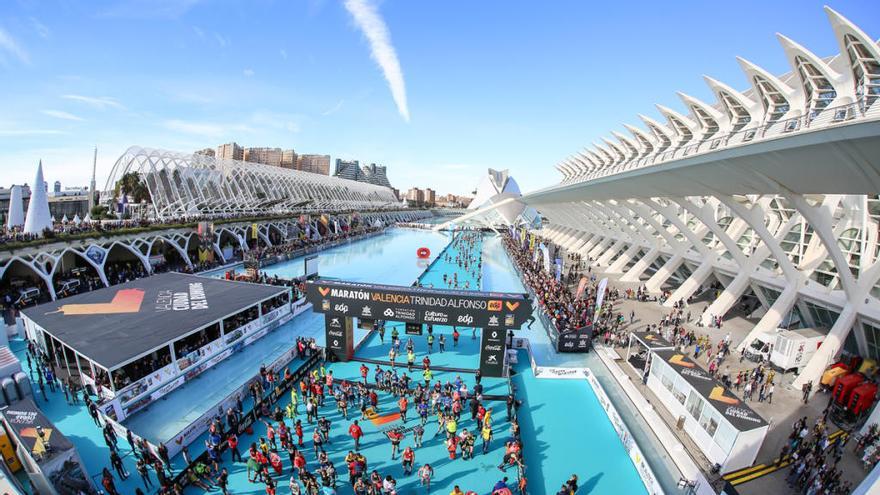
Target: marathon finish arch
<point>494,312</point>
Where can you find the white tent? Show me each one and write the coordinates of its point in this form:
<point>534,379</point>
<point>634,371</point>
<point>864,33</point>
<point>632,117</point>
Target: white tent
<point>15,218</point>
<point>88,218</point>
<point>64,219</point>
<point>76,219</point>
<point>38,217</point>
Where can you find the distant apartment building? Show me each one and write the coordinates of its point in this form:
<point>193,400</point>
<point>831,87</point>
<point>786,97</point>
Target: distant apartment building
<point>316,164</point>
<point>376,174</point>
<point>206,152</point>
<point>230,151</point>
<point>352,170</point>
<point>288,159</point>
<point>348,169</point>
<point>430,196</point>
<point>415,195</point>
<point>266,156</point>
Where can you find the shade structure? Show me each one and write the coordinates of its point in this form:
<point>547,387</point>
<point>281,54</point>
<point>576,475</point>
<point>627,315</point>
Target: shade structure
<point>38,217</point>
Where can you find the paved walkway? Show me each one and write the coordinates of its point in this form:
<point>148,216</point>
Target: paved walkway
<point>786,408</point>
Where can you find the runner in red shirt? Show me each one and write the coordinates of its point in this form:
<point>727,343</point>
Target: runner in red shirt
<point>356,432</point>
<point>402,403</point>
<point>364,371</point>
<point>409,456</point>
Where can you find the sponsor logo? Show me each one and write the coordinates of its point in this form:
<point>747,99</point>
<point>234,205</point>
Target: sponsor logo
<point>366,311</point>
<point>466,319</point>
<point>334,322</point>
<point>436,317</point>
<point>508,320</point>
<point>389,313</point>
<point>718,395</point>
<point>325,305</point>
<point>679,360</point>
<point>324,291</point>
<point>377,420</point>
<point>350,294</point>
<point>125,301</point>
<point>492,359</point>
<point>340,308</point>
<point>511,306</point>
<point>492,348</point>
<point>559,372</point>
<point>494,305</point>
<point>493,321</point>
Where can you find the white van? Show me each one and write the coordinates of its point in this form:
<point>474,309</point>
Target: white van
<point>760,348</point>
<point>27,295</point>
<point>794,348</point>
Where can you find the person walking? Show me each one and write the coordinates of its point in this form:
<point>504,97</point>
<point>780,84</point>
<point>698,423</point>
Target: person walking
<point>408,458</point>
<point>426,472</point>
<point>142,470</point>
<point>116,462</point>
<point>356,433</point>
<point>486,435</point>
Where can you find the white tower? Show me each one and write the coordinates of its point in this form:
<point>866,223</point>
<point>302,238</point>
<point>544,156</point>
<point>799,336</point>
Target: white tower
<point>92,184</point>
<point>15,218</point>
<point>38,217</point>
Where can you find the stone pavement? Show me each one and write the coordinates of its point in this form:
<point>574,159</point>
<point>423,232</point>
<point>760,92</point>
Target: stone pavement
<point>787,406</point>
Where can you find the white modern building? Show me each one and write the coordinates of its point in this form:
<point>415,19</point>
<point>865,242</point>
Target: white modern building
<point>496,203</point>
<point>188,184</point>
<point>770,191</point>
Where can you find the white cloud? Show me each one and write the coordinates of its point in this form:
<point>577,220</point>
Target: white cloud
<point>374,29</point>
<point>101,102</point>
<point>248,72</point>
<point>223,42</point>
<point>40,28</point>
<point>58,114</point>
<point>283,53</point>
<point>10,47</point>
<point>199,32</point>
<point>334,109</point>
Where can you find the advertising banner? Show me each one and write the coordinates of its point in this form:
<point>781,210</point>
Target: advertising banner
<point>582,285</point>
<point>492,352</point>
<point>600,295</point>
<point>413,328</point>
<point>419,304</point>
<point>577,340</point>
<point>339,337</point>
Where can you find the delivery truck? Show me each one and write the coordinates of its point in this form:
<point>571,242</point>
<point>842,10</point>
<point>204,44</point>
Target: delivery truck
<point>794,348</point>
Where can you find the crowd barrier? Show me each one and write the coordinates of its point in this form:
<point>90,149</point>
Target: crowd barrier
<point>280,258</point>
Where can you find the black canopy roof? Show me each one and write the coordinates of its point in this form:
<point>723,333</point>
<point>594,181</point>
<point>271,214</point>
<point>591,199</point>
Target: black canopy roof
<point>116,324</point>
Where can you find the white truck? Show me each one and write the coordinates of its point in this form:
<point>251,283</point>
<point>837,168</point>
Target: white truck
<point>760,348</point>
<point>794,348</point>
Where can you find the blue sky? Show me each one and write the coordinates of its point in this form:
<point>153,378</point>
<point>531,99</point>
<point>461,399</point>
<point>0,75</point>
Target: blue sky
<point>503,84</point>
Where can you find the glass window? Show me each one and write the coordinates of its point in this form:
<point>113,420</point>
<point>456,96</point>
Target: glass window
<point>694,404</point>
<point>709,420</point>
<point>725,435</point>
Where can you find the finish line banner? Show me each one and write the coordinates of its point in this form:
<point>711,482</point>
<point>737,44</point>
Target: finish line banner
<point>419,304</point>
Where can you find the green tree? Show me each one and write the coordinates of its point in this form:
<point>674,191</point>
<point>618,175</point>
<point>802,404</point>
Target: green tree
<point>132,185</point>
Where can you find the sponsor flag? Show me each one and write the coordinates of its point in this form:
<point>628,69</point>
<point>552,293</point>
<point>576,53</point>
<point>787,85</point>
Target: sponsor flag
<point>582,285</point>
<point>600,295</point>
<point>254,231</point>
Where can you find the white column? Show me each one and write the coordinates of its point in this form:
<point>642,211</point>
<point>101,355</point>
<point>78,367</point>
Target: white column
<point>729,296</point>
<point>623,259</point>
<point>826,352</point>
<point>609,253</point>
<point>633,274</point>
<point>774,316</point>
<point>692,284</point>
<point>656,281</point>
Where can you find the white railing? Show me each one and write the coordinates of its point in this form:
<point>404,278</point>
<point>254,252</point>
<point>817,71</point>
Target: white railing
<point>828,117</point>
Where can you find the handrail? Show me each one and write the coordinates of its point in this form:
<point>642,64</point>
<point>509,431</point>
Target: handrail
<point>827,117</point>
